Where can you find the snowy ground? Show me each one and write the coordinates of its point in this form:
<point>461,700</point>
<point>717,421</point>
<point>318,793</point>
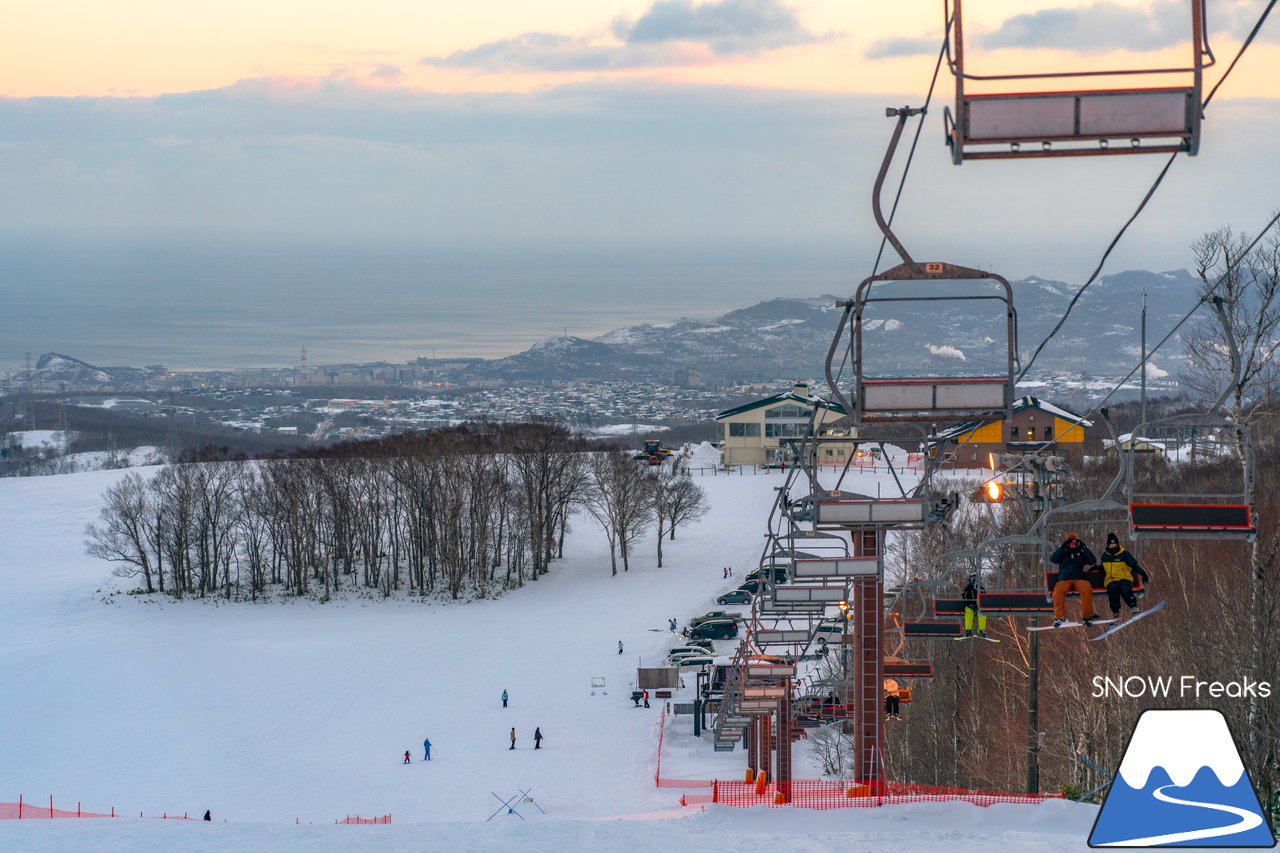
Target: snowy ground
<point>274,713</point>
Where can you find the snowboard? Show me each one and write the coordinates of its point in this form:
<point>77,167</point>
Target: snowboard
<point>1129,621</point>
<point>1068,625</point>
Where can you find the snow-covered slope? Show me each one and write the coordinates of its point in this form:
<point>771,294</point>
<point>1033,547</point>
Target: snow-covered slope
<point>272,713</point>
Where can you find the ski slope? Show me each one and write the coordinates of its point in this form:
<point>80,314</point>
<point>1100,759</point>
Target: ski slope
<point>283,717</point>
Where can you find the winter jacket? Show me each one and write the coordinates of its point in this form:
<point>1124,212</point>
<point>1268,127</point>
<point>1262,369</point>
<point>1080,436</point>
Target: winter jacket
<point>1071,562</point>
<point>1120,565</point>
<point>970,595</point>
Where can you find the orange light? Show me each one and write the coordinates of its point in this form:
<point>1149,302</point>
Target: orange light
<point>994,490</point>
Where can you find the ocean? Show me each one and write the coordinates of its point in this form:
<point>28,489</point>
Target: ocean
<point>246,304</point>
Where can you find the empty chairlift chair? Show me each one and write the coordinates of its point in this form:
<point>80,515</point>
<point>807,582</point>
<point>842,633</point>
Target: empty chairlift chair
<point>1036,120</point>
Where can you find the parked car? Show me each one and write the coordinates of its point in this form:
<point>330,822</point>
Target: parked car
<point>737,596</point>
<point>722,629</point>
<point>772,573</point>
<point>682,661</point>
<point>689,650</point>
<point>714,615</point>
<point>754,587</point>
<point>834,625</point>
<point>704,644</point>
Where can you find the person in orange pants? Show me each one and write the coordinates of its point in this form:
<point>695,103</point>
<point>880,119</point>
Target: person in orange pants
<point>1073,558</point>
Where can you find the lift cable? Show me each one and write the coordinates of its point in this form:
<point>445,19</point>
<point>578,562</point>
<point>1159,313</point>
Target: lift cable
<point>1252,34</point>
<point>1230,268</point>
<point>1146,198</point>
<point>902,182</point>
<point>924,111</point>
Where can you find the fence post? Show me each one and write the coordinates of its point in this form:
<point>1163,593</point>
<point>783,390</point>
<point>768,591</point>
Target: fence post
<point>77,808</point>
<point>19,807</point>
<point>51,807</point>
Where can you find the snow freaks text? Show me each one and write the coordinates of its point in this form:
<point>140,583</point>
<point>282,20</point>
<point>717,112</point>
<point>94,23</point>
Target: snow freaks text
<point>1185,686</point>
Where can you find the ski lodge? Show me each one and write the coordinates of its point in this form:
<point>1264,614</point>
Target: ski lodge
<point>1034,427</point>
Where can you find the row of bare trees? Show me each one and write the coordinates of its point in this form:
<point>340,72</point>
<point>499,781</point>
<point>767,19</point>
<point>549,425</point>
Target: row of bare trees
<point>467,513</point>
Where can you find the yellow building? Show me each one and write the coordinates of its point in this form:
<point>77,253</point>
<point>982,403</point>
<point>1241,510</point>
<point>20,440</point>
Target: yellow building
<point>756,433</point>
<point>1035,427</point>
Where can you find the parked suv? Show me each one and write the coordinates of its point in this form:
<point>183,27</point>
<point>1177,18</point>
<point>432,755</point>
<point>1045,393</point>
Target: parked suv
<point>716,629</point>
<point>714,615</point>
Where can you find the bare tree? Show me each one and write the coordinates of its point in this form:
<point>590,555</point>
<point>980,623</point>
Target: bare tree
<point>125,533</point>
<point>676,500</point>
<point>1249,284</point>
<point>620,498</point>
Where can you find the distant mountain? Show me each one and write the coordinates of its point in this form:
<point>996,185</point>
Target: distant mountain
<point>55,367</point>
<point>789,337</point>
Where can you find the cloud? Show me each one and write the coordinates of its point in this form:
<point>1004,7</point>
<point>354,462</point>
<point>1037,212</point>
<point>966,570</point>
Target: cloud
<point>946,352</point>
<point>1096,28</point>
<point>670,33</point>
<point>1099,28</point>
<point>727,27</point>
<point>889,48</point>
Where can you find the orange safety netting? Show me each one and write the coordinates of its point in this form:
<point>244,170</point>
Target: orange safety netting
<point>24,810</point>
<point>386,818</point>
<point>823,794</point>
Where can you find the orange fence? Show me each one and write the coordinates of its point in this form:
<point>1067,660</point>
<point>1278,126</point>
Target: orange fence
<point>386,818</point>
<point>23,810</point>
<point>822,794</point>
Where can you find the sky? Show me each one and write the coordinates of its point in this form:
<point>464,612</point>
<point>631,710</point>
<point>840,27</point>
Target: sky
<point>620,125</point>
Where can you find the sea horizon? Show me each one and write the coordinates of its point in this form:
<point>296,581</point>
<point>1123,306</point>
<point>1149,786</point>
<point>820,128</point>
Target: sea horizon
<point>247,305</point>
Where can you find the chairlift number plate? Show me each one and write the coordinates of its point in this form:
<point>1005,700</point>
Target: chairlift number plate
<point>933,267</point>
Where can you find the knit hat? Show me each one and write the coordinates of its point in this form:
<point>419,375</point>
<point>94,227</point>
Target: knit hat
<point>1112,540</point>
<point>1071,536</point>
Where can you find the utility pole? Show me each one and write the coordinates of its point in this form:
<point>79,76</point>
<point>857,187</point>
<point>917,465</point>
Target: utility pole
<point>1142,414</point>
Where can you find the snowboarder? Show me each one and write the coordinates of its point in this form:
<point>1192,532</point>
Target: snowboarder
<point>513,737</point>
<point>407,760</point>
<point>537,738</point>
<point>672,624</point>
<point>207,816</point>
<point>1119,568</point>
<point>892,703</point>
<point>504,698</point>
<point>725,570</point>
<point>1073,559</point>
<point>619,647</point>
<point>426,749</point>
<point>972,612</point>
<point>646,698</point>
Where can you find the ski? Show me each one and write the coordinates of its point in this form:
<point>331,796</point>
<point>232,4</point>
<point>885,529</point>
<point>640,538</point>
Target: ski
<point>976,637</point>
<point>1068,625</point>
<point>1129,621</point>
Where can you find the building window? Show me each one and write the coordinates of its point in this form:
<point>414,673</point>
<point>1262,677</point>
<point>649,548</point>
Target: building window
<point>744,430</point>
<point>1031,433</point>
<point>1048,433</point>
<point>790,410</point>
<point>1013,433</point>
<point>786,430</point>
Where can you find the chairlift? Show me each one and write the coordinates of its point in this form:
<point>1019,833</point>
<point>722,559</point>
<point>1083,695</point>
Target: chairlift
<point>1033,121</point>
<point>1208,436</point>
<point>883,391</point>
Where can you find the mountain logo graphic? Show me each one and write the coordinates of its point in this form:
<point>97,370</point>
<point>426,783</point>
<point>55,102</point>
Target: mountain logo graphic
<point>1181,783</point>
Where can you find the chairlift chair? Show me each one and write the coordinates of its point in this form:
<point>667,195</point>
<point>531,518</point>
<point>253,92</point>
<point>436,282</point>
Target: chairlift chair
<point>1033,121</point>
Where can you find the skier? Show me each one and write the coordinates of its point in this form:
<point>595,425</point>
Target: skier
<point>672,625</point>
<point>407,760</point>
<point>971,610</point>
<point>504,698</point>
<point>513,737</point>
<point>426,750</point>
<point>725,570</point>
<point>1073,559</point>
<point>537,738</point>
<point>1119,568</point>
<point>619,647</point>
<point>646,698</point>
<point>892,704</point>
<point>207,816</point>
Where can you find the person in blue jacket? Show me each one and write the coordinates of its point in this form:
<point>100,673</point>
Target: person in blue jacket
<point>1073,559</point>
<point>504,698</point>
<point>426,750</point>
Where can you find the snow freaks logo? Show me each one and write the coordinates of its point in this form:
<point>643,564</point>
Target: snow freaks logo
<point>1181,782</point>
